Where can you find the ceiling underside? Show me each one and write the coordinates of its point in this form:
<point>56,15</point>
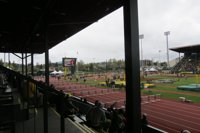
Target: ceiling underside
<point>187,49</point>
<point>27,25</point>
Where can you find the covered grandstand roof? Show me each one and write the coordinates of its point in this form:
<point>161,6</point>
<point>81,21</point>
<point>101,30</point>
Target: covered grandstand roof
<point>26,24</point>
<point>191,49</point>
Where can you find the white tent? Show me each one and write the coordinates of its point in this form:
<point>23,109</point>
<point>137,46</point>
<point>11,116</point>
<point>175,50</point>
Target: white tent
<point>146,70</point>
<point>60,72</point>
<point>150,70</point>
<point>54,72</point>
<point>153,69</point>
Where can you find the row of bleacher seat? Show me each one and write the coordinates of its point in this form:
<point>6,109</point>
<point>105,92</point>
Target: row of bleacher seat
<point>7,107</point>
<point>14,100</point>
<point>11,112</point>
<point>189,63</point>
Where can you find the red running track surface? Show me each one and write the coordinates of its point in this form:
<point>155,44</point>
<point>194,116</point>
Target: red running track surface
<point>173,116</point>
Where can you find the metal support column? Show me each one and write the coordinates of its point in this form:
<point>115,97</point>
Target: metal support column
<point>46,94</point>
<point>47,67</point>
<point>32,64</point>
<point>22,63</point>
<point>26,65</point>
<point>45,111</point>
<point>9,60</point>
<point>132,63</point>
<point>4,60</point>
<point>62,118</point>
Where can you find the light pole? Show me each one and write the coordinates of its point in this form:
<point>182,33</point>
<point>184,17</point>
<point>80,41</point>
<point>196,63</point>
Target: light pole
<point>166,34</point>
<point>141,37</point>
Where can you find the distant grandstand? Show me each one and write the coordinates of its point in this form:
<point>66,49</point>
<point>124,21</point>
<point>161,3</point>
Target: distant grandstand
<point>191,60</point>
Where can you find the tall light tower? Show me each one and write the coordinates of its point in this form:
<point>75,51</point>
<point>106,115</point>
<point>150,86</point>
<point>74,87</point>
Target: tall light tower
<point>166,34</point>
<point>141,37</point>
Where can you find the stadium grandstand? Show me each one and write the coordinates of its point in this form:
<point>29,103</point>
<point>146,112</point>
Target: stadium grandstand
<point>190,62</point>
<point>28,28</point>
<point>30,104</point>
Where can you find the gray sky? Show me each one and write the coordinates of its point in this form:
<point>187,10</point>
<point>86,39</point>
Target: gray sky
<point>105,39</point>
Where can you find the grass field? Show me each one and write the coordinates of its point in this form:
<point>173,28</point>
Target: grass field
<point>169,90</point>
<point>195,99</point>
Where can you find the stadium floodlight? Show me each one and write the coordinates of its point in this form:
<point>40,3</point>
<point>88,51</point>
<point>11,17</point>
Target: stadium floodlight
<point>141,37</point>
<point>166,34</point>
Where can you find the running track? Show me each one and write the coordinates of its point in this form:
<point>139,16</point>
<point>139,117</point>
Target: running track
<point>168,115</point>
<point>173,116</point>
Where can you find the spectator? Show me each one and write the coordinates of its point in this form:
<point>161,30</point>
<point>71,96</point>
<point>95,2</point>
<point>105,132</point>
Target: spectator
<point>144,122</point>
<point>58,77</point>
<point>107,82</point>
<point>144,119</point>
<point>111,110</point>
<point>145,73</point>
<point>33,95</point>
<point>112,84</point>
<point>185,131</point>
<point>118,121</point>
<point>85,100</point>
<point>84,79</point>
<point>70,77</point>
<point>96,118</point>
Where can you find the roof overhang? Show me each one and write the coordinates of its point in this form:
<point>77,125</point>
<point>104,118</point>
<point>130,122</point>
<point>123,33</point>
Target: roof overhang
<point>187,49</point>
<point>27,25</point>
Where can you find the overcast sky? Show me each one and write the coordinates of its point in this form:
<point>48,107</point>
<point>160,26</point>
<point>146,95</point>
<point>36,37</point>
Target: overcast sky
<point>104,39</point>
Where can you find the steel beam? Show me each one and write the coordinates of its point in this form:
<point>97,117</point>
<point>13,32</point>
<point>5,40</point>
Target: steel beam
<point>46,77</point>
<point>22,63</point>
<point>32,64</point>
<point>132,64</point>
<point>26,65</point>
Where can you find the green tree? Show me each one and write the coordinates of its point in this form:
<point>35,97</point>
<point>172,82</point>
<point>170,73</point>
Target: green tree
<point>81,66</point>
<point>14,66</point>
